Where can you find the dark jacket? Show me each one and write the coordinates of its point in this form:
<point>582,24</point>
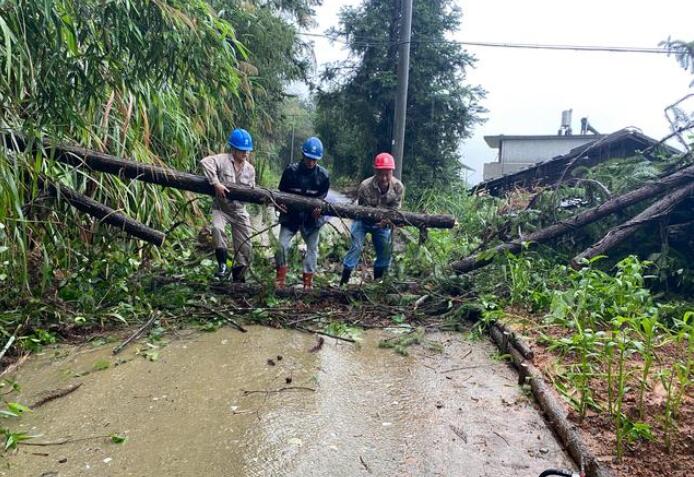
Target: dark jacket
<point>298,179</point>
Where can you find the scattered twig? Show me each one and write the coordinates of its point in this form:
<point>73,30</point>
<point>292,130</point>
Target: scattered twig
<point>62,441</point>
<point>319,344</point>
<point>502,438</point>
<point>221,315</point>
<point>135,335</point>
<point>475,366</point>
<point>301,320</point>
<point>55,394</point>
<point>459,432</point>
<point>270,391</point>
<point>7,346</point>
<point>308,330</point>
<point>363,462</point>
<point>15,365</point>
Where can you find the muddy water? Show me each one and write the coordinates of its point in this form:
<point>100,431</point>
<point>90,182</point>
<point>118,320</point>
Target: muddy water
<point>373,412</point>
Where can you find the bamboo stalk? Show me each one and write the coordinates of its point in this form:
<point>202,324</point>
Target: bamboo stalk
<point>96,161</point>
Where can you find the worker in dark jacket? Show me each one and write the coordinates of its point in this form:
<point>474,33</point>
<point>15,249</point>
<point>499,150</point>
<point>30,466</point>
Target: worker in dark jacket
<point>309,179</point>
<point>380,190</point>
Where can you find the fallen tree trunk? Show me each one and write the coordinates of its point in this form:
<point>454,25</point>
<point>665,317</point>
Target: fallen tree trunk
<point>104,213</point>
<point>96,161</point>
<point>681,232</point>
<point>554,409</point>
<point>647,191</point>
<point>621,232</point>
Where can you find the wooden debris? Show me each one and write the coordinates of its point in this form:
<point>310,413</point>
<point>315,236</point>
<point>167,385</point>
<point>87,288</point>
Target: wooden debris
<point>318,346</point>
<point>152,174</point>
<point>323,333</point>
<point>104,213</point>
<point>7,346</point>
<point>616,204</point>
<point>55,394</point>
<point>135,335</point>
<point>282,389</point>
<point>621,232</point>
<point>221,315</point>
<point>553,408</point>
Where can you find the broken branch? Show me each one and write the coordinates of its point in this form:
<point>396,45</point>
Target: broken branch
<point>104,213</point>
<point>52,395</point>
<point>647,191</point>
<point>621,232</point>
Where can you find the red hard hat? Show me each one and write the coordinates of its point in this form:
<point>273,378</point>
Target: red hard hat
<point>384,161</point>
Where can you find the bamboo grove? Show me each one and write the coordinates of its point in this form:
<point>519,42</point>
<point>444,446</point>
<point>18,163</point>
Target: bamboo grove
<point>159,81</point>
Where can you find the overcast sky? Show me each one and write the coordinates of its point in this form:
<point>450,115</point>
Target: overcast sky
<point>528,89</point>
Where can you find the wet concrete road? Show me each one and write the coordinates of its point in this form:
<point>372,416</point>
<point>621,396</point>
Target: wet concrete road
<point>373,412</point>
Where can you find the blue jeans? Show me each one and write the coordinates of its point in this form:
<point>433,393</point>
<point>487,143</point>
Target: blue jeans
<point>381,239</point>
<point>310,237</point>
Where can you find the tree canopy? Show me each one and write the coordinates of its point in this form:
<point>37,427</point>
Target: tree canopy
<point>356,103</point>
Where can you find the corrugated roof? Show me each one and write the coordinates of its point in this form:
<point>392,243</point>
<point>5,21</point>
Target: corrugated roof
<point>627,140</point>
<point>493,141</point>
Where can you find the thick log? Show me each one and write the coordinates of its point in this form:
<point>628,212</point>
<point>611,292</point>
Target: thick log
<point>681,232</point>
<point>621,232</point>
<point>194,183</point>
<point>645,192</point>
<point>105,214</point>
<point>553,408</point>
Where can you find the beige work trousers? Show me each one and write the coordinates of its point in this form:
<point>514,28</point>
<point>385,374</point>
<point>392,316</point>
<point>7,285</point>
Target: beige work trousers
<point>240,223</point>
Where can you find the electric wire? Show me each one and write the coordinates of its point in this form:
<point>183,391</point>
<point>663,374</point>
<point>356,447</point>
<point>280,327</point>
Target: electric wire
<point>534,46</point>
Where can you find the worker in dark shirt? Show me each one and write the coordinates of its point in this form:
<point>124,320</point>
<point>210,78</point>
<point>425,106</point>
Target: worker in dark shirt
<point>308,179</point>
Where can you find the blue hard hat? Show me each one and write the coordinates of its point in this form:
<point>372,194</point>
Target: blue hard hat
<point>240,139</point>
<point>313,148</point>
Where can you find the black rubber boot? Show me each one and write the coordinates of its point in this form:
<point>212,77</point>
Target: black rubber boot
<point>346,273</point>
<point>379,272</point>
<point>221,254</point>
<point>238,274</point>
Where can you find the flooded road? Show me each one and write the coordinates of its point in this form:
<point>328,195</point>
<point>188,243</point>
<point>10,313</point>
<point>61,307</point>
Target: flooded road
<point>357,410</point>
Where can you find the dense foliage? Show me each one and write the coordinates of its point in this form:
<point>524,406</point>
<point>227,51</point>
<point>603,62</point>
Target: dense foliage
<point>355,108</point>
<point>159,81</point>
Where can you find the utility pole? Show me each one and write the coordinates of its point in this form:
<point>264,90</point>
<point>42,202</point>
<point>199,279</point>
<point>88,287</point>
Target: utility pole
<point>403,80</point>
<point>291,148</point>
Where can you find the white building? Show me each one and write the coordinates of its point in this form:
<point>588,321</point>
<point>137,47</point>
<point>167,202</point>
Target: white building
<point>520,152</point>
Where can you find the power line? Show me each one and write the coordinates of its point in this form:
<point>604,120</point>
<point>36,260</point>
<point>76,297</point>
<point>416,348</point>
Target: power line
<point>533,46</point>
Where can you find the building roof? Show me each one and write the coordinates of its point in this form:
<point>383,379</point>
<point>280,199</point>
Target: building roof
<point>494,141</point>
<point>622,143</point>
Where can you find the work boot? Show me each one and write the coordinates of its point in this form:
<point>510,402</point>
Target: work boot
<point>308,281</point>
<point>221,271</point>
<point>281,276</point>
<point>221,254</point>
<point>379,272</point>
<point>346,273</point>
<point>238,274</point>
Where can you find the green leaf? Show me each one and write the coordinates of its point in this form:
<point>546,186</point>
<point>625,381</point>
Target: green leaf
<point>17,408</point>
<point>118,439</point>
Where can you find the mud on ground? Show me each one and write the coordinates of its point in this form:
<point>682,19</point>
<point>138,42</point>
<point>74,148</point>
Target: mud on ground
<point>260,403</point>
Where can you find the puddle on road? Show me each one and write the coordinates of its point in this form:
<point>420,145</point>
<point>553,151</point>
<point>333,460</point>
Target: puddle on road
<point>373,411</point>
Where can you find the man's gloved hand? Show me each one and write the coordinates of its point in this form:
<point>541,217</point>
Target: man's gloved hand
<point>220,191</point>
<point>316,213</point>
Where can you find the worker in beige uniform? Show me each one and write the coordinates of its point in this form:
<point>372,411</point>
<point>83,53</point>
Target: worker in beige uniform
<point>221,171</point>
